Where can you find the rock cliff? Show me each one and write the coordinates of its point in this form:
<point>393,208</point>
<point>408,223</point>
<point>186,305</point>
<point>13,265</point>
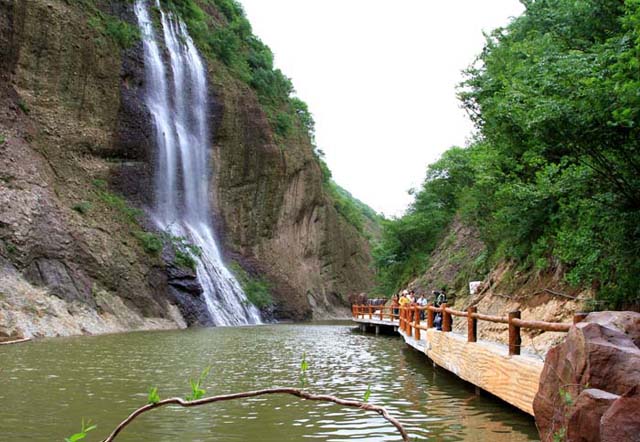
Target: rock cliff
<point>76,158</point>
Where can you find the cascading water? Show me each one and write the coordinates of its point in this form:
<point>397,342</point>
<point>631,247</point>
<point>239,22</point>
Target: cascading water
<point>178,103</point>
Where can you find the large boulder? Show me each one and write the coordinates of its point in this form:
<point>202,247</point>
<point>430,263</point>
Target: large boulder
<point>600,353</point>
<point>584,419</point>
<point>621,421</point>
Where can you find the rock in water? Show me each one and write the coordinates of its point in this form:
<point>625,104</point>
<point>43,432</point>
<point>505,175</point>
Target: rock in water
<point>590,381</point>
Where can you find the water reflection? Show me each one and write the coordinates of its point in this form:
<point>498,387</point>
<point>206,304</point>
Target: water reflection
<point>50,385</point>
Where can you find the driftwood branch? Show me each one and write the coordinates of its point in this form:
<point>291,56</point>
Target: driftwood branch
<point>291,391</point>
<point>16,341</point>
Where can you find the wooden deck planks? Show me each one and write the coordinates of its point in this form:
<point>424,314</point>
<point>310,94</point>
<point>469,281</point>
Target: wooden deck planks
<point>487,365</point>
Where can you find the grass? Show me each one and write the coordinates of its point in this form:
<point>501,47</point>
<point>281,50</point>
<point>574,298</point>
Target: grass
<point>129,214</point>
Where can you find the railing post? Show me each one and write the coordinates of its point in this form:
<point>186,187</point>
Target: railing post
<point>446,319</point>
<point>514,334</point>
<point>416,319</point>
<point>370,311</point>
<point>430,316</point>
<point>472,325</point>
<point>579,317</point>
<point>382,312</point>
<point>404,319</point>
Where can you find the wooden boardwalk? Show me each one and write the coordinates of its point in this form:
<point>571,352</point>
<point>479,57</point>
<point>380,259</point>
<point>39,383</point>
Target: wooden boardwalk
<point>496,368</point>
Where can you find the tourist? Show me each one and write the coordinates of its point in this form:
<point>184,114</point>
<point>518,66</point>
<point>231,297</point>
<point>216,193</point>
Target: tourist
<point>440,299</point>
<point>422,302</point>
<point>395,305</point>
<point>404,299</point>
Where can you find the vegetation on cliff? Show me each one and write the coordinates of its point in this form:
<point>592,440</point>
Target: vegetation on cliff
<point>552,179</point>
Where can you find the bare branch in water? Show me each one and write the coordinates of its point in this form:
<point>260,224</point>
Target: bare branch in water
<point>292,391</point>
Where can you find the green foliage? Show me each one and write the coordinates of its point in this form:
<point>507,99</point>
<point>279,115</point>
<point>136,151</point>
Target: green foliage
<point>23,106</point>
<point>10,248</point>
<point>554,174</point>
<point>282,124</point>
<point>304,367</point>
<point>407,241</point>
<point>82,207</point>
<point>3,139</point>
<point>122,33</point>
<point>152,243</point>
<point>99,184</point>
<point>560,435</point>
<point>566,397</point>
<point>153,397</point>
<point>367,394</point>
<point>118,203</point>
<point>86,428</point>
<point>230,8</point>
<point>354,211</point>
<point>185,260</point>
<point>555,97</point>
<point>197,392</point>
<point>257,290</point>
<point>185,253</point>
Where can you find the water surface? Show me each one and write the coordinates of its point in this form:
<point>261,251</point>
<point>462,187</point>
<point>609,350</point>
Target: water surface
<point>47,387</point>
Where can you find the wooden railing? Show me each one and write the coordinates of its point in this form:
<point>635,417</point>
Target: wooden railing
<point>410,321</point>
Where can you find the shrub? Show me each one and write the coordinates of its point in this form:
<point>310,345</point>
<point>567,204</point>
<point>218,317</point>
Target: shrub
<point>282,124</point>
<point>257,290</point>
<point>185,253</point>
<point>230,8</point>
<point>23,106</point>
<point>150,242</point>
<point>82,207</point>
<point>122,33</point>
<point>185,260</point>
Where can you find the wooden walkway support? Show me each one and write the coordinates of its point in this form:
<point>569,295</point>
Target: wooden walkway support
<point>501,370</point>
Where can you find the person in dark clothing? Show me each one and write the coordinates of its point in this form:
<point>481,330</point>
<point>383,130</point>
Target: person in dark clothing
<point>439,298</point>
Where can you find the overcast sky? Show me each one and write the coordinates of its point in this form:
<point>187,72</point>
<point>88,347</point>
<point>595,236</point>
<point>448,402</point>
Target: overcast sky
<point>379,78</point>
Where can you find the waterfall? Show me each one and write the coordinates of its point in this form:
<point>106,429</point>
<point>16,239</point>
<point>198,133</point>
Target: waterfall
<point>177,99</point>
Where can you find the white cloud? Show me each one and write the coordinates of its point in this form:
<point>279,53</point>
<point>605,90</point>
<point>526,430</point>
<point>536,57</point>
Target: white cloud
<point>380,79</point>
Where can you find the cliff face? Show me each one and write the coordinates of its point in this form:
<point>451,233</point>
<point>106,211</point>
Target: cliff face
<point>276,215</point>
<point>75,138</point>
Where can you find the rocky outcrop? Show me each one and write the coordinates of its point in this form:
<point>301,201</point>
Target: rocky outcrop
<point>75,132</point>
<point>589,388</point>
